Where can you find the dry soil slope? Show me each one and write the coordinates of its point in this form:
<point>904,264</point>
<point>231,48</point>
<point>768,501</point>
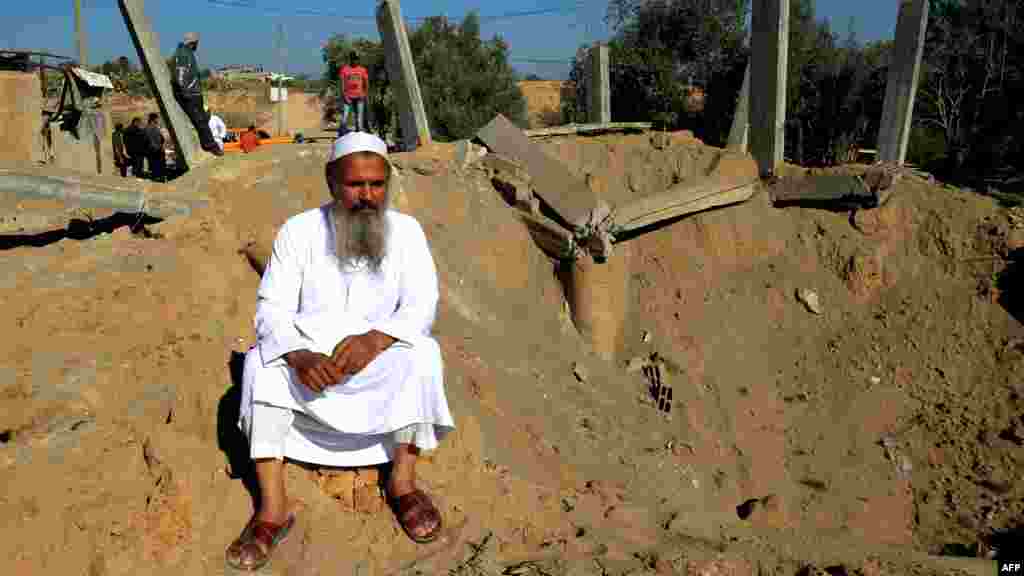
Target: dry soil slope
<point>118,386</point>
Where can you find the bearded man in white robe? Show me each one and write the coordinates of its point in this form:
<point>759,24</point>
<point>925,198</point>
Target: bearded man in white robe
<point>345,372</point>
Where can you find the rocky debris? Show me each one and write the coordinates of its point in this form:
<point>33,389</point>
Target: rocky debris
<point>863,274</point>
<point>767,511</point>
<point>719,567</point>
<point>809,298</point>
<point>580,372</point>
<point>895,454</point>
<point>357,490</point>
<point>833,570</point>
<point>466,152</point>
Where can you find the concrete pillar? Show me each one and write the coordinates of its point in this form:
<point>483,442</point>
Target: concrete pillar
<point>769,49</point>
<point>402,70</point>
<point>278,98</point>
<point>740,132</point>
<point>186,142</point>
<point>901,85</point>
<point>599,88</point>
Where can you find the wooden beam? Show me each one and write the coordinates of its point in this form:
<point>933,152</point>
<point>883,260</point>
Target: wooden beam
<point>571,129</point>
<point>678,201</point>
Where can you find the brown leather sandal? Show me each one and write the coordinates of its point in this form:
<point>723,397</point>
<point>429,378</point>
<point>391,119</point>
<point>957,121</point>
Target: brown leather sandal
<point>253,547</point>
<point>414,509</point>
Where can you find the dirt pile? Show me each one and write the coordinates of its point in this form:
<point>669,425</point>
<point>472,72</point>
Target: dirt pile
<point>872,436</point>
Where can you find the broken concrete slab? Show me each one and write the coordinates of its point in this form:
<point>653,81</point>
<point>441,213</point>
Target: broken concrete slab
<point>838,192</point>
<point>81,193</point>
<point>675,202</point>
<point>592,129</point>
<point>186,142</point>
<point>567,195</point>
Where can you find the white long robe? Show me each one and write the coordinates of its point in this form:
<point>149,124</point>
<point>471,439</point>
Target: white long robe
<point>306,300</point>
<point>218,129</point>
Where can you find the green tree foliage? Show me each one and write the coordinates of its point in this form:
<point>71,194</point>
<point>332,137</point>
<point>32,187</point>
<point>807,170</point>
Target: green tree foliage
<point>972,78</point>
<point>660,51</point>
<point>464,81</point>
<point>834,92</point>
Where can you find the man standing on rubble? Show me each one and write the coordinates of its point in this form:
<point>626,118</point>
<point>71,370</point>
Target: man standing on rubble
<point>354,85</point>
<point>188,91</point>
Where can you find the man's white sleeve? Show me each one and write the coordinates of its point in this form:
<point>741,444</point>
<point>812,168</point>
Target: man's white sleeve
<point>277,301</point>
<point>417,290</point>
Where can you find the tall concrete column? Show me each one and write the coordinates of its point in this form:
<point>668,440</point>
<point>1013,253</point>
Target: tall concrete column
<point>186,142</point>
<point>769,49</point>
<point>739,134</point>
<point>402,70</point>
<point>901,85</point>
<point>599,89</point>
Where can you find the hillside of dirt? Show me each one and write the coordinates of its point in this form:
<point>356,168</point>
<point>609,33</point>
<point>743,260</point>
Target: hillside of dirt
<point>881,436</point>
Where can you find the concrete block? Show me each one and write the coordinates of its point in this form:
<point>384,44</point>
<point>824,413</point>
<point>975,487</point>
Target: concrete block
<point>402,70</point>
<point>599,91</point>
<point>186,142</point>
<point>901,85</point>
<point>769,49</point>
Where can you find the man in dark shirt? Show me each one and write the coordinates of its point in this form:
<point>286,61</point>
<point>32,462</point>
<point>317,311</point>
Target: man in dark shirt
<point>120,158</point>
<point>188,91</point>
<point>135,146</point>
<point>155,149</point>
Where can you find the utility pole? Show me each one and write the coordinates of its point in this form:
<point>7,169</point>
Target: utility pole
<point>281,106</point>
<point>79,33</point>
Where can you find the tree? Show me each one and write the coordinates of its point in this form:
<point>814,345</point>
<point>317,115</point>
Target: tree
<point>967,72</point>
<point>660,52</point>
<point>464,81</point>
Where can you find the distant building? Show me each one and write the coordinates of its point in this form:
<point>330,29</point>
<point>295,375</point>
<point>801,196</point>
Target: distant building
<point>241,72</point>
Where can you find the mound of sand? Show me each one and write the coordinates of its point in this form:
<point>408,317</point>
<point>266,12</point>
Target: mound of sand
<point>871,436</point>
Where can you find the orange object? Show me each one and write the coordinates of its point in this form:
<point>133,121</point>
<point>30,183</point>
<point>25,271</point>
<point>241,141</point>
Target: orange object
<point>249,141</point>
<point>237,146</point>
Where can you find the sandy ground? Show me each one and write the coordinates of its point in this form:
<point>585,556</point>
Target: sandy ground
<point>871,437</point>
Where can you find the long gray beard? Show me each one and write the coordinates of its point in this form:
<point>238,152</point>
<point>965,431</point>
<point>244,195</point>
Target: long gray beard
<point>361,236</point>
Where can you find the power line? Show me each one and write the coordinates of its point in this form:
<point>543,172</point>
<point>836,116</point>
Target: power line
<point>319,12</point>
<point>541,60</point>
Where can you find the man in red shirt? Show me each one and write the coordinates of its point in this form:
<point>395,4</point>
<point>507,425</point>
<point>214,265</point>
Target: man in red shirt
<point>249,140</point>
<point>354,85</point>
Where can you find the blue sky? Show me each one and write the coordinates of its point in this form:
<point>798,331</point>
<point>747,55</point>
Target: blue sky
<point>237,35</point>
